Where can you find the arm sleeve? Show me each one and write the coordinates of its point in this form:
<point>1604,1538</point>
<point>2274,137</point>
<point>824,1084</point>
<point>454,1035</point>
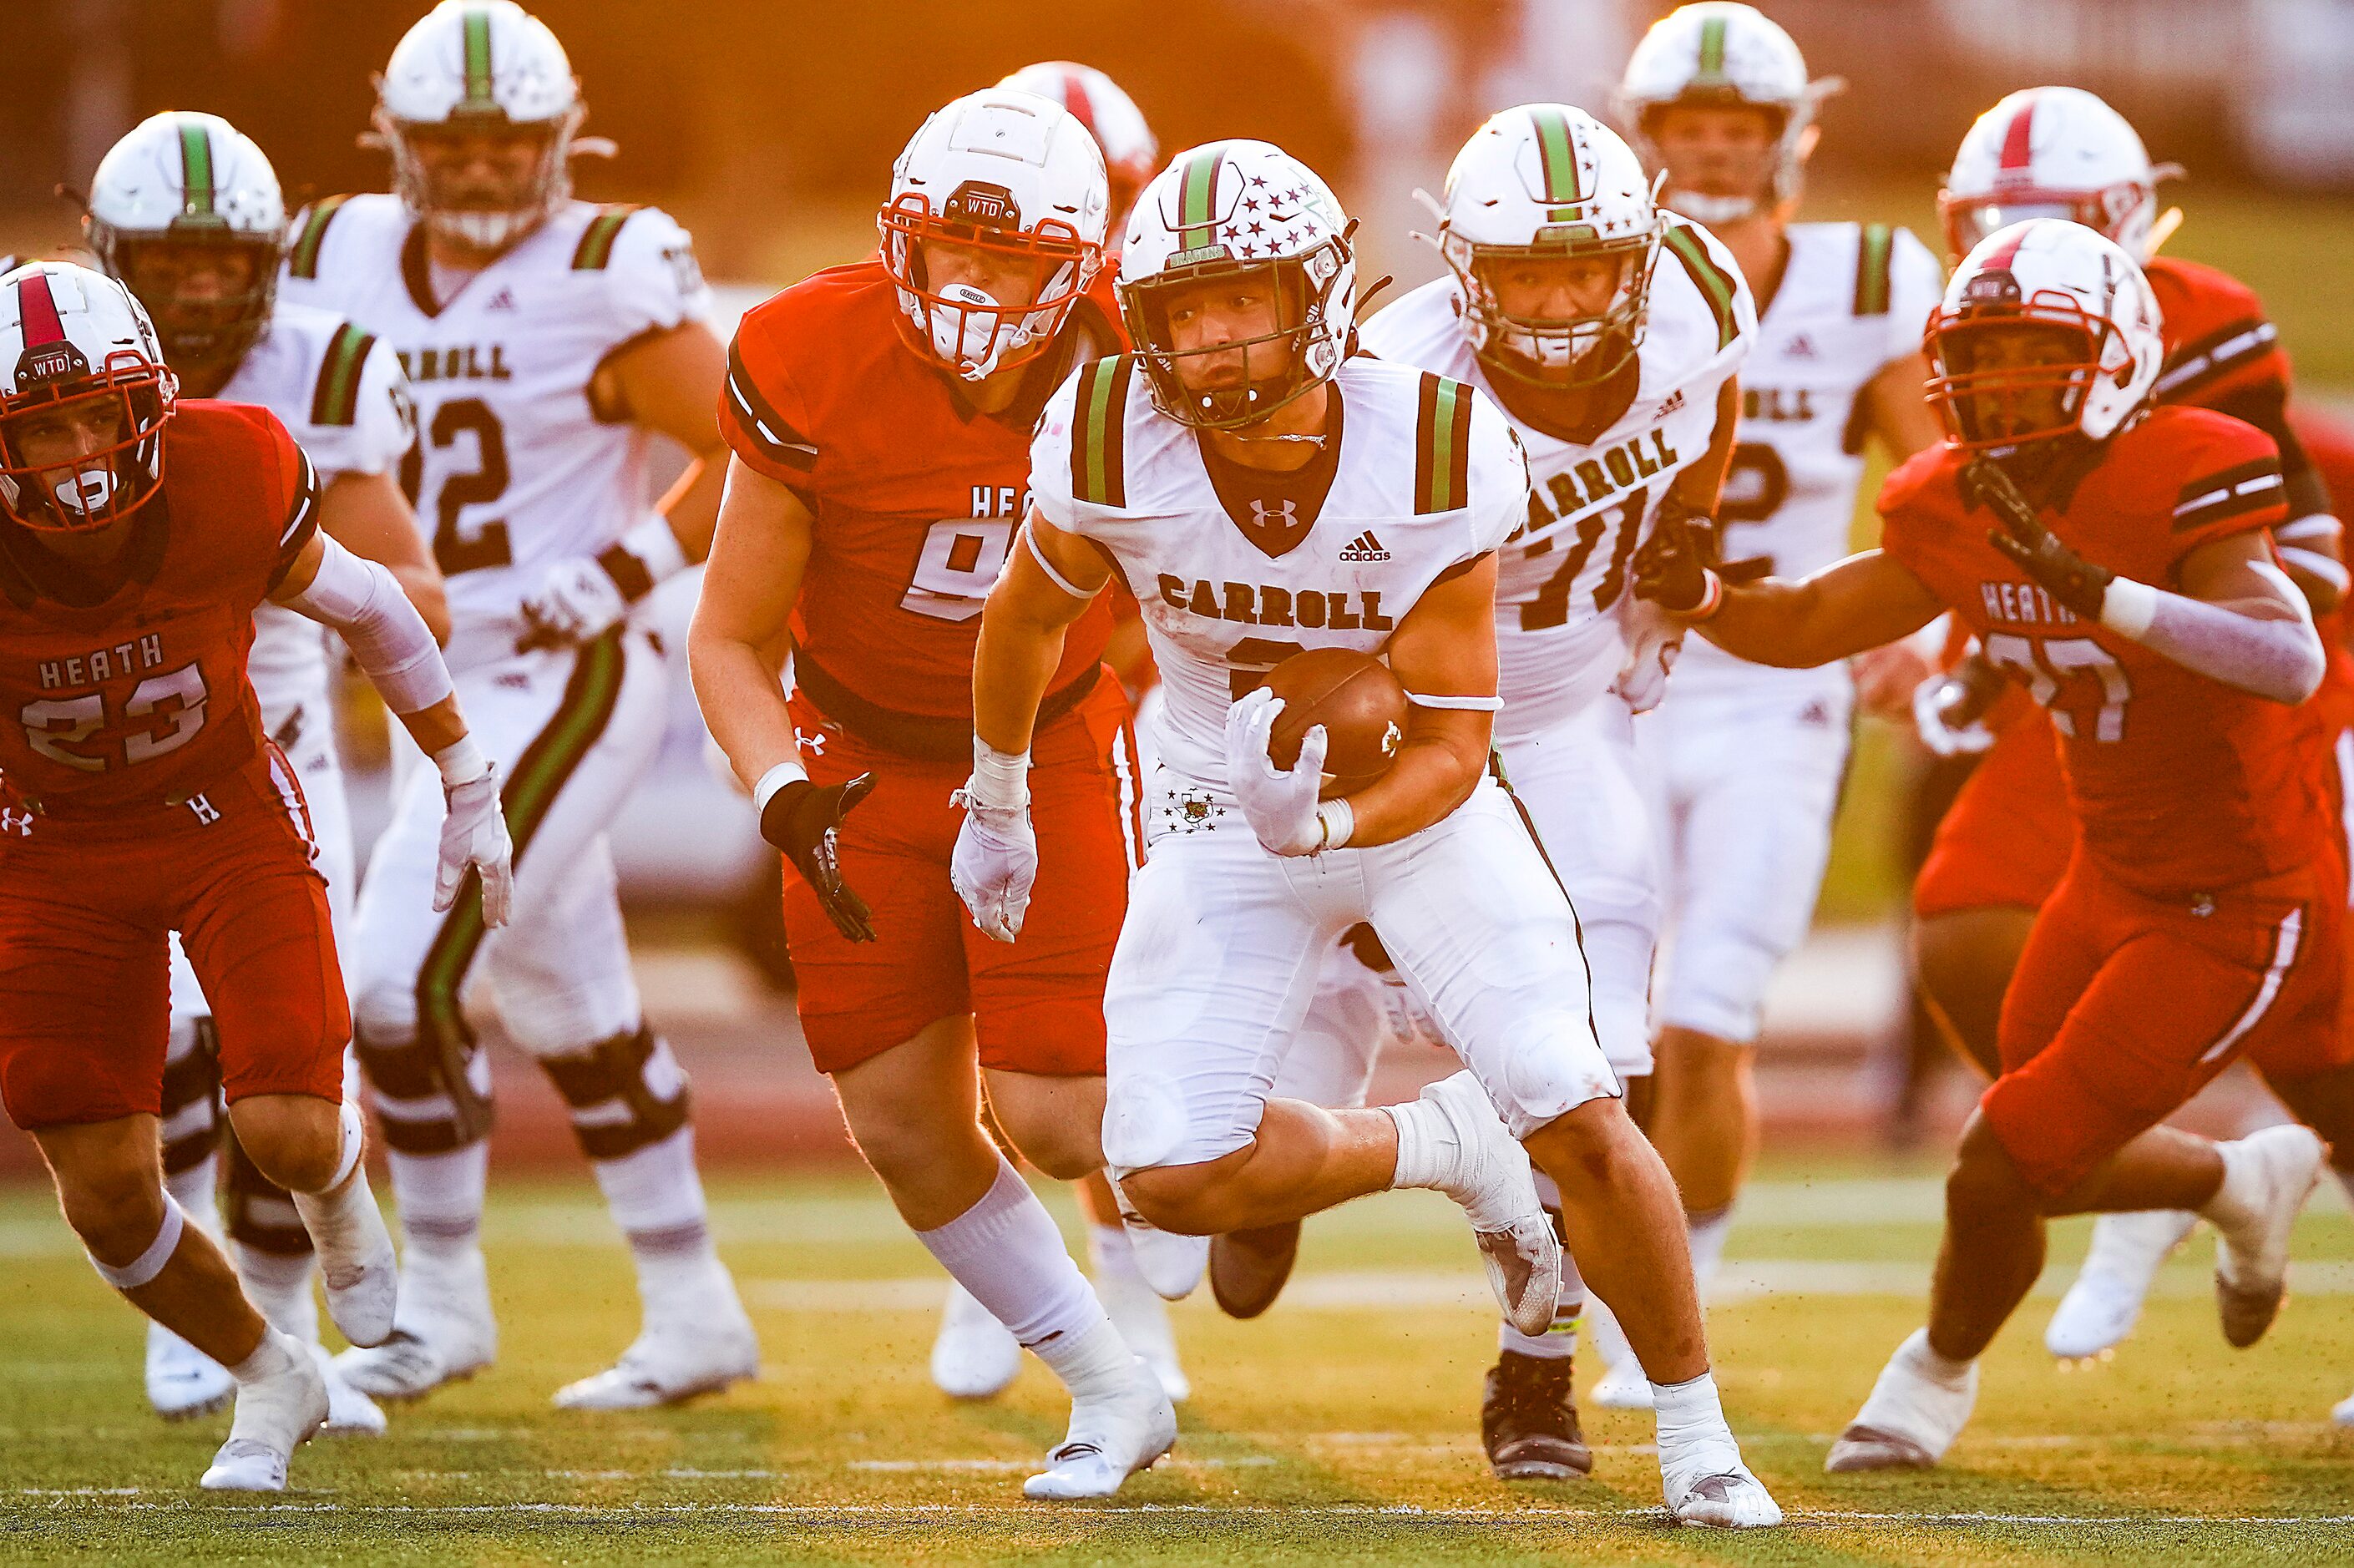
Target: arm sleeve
<point>362,603</point>
<point>1915,283</point>
<point>2278,659</point>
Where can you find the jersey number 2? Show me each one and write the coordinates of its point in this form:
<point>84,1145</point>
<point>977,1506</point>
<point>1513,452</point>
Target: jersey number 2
<point>487,545</point>
<point>54,726</point>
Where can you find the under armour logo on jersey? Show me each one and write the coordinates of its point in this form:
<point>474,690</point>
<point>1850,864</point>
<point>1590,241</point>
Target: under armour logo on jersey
<point>502,301</point>
<point>1363,547</point>
<point>1799,347</point>
<point>1284,519</point>
<point>14,821</point>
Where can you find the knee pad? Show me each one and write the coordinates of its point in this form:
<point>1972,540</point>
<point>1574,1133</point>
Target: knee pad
<point>1552,1065</point>
<point>431,1087</point>
<point>625,1093</point>
<point>260,1212</point>
<point>1144,1121</point>
<point>192,1100</point>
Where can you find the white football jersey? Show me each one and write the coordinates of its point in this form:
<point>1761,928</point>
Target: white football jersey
<point>1426,479</point>
<point>512,469</point>
<point>1563,577</point>
<point>340,394</point>
<point>1854,298</point>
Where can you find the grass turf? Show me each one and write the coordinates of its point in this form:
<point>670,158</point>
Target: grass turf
<point>1326,1432</point>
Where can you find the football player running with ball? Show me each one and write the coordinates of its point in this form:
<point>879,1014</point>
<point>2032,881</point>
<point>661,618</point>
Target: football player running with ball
<point>139,796</point>
<point>185,213</point>
<point>1745,761</point>
<point>1262,492</point>
<point>880,416</point>
<point>549,342</point>
<point>2191,924</point>
<point>1610,334</point>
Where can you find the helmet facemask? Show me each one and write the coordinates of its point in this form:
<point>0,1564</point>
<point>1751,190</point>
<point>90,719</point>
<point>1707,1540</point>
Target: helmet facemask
<point>58,490</point>
<point>968,328</point>
<point>1238,382</point>
<point>1557,354</point>
<point>159,269</point>
<point>1779,165</point>
<point>475,215</point>
<point>2006,375</point>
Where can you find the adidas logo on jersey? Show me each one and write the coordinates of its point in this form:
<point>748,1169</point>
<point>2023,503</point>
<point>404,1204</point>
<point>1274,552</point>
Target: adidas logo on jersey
<point>502,301</point>
<point>1799,347</point>
<point>1364,547</point>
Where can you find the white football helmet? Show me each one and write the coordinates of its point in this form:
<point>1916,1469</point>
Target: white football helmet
<point>70,335</point>
<point>2046,272</point>
<point>1548,181</point>
<point>473,66</point>
<point>1015,176</point>
<point>2053,152</point>
<point>1131,152</point>
<point>192,180</point>
<point>1717,54</point>
<point>1238,208</point>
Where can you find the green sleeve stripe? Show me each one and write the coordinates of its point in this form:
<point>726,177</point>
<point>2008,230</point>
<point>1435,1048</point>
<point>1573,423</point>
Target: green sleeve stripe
<point>303,260</point>
<point>1099,432</point>
<point>1442,445</point>
<point>1871,269</point>
<point>1716,286</point>
<point>335,397</point>
<point>596,247</point>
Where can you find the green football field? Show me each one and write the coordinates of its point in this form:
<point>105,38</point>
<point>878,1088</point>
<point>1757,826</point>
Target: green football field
<point>1339,1428</point>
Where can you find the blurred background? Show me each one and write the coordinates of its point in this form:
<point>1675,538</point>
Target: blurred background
<point>768,128</point>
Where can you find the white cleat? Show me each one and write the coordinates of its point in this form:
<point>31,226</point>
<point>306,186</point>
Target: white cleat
<point>974,1356</point>
<point>1723,1500</point>
<point>1172,1264</point>
<point>681,1353</point>
<point>1108,1441</point>
<point>275,1414</point>
<point>1622,1387</point>
<point>444,1332</point>
<point>356,1261</point>
<point>1143,1319</point>
<point>2105,1301</point>
<point>1912,1417</point>
<point>350,1412</point>
<point>2269,1175</point>
<point>182,1381</point>
<point>1492,1181</point>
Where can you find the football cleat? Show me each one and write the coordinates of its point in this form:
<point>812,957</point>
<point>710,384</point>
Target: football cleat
<point>2342,1412</point>
<point>1528,1420</point>
<point>1624,1386</point>
<point>1248,1268</point>
<point>182,1381</point>
<point>678,1355</point>
<point>350,1412</point>
<point>1911,1419</point>
<point>443,1331</point>
<point>275,1414</point>
<point>2269,1174</point>
<point>1143,1319</point>
<point>974,1356</point>
<point>1491,1178</point>
<point>1723,1500</point>
<point>1109,1440</point>
<point>2105,1301</point>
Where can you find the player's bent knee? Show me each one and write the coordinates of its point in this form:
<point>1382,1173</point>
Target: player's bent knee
<point>1552,1065</point>
<point>1183,1200</point>
<point>115,1208</point>
<point>1985,1178</point>
<point>1591,1147</point>
<point>1145,1120</point>
<point>431,1093</point>
<point>624,1093</point>
<point>293,1141</point>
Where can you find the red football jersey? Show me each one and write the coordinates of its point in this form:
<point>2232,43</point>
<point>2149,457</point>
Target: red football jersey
<point>2218,339</point>
<point>915,495</point>
<point>2179,783</point>
<point>128,687</point>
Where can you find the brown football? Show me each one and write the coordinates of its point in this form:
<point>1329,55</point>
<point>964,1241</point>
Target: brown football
<point>1354,697</point>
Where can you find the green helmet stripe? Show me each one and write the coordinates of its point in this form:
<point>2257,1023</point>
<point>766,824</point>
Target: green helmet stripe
<point>1197,196</point>
<point>1557,155</point>
<point>1711,50</point>
<point>196,170</point>
<point>478,60</point>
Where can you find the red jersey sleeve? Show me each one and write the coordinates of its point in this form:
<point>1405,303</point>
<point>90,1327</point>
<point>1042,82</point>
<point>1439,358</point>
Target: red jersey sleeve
<point>2219,341</point>
<point>297,503</point>
<point>1909,514</point>
<point>761,415</point>
<point>2231,483</point>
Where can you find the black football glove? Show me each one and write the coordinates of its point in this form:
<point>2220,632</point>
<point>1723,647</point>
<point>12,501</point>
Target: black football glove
<point>2065,575</point>
<point>800,821</point>
<point>1672,567</point>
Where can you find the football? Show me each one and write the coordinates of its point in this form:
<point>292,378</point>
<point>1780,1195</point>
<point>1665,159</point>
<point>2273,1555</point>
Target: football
<point>1354,697</point>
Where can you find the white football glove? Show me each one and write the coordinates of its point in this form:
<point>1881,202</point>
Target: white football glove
<point>1281,806</point>
<point>577,602</point>
<point>1654,640</point>
<point>474,833</point>
<point>1949,713</point>
<point>994,864</point>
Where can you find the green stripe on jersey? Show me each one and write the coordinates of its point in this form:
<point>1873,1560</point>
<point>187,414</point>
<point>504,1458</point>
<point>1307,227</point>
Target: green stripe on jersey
<point>1715,285</point>
<point>596,247</point>
<point>1099,433</point>
<point>335,396</point>
<point>196,172</point>
<point>1442,445</point>
<point>1871,253</point>
<point>303,260</point>
<point>478,60</point>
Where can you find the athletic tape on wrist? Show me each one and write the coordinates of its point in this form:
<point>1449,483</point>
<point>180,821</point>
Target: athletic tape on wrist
<point>1001,780</point>
<point>1712,597</point>
<point>142,1269</point>
<point>774,779</point>
<point>1338,820</point>
<point>461,762</point>
<point>2128,606</point>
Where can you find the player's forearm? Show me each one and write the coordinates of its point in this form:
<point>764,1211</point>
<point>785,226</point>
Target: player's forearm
<point>1779,623</point>
<point>2258,646</point>
<point>743,702</point>
<point>691,505</point>
<point>1012,667</point>
<point>1436,768</point>
<point>437,729</point>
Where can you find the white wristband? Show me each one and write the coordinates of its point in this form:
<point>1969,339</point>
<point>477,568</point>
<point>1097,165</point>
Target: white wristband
<point>1338,820</point>
<point>774,779</point>
<point>2128,606</point>
<point>461,762</point>
<point>1001,780</point>
<point>656,547</point>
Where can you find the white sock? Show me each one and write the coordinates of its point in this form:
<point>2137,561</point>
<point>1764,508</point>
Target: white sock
<point>1707,1231</point>
<point>1923,1355</point>
<point>279,1284</point>
<point>1692,1427</point>
<point>196,1190</point>
<point>656,1197</point>
<point>440,1200</point>
<point>1109,1252</point>
<point>1428,1151</point>
<point>1560,1341</point>
<point>277,1353</point>
<point>2231,1209</point>
<point>1006,1251</point>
